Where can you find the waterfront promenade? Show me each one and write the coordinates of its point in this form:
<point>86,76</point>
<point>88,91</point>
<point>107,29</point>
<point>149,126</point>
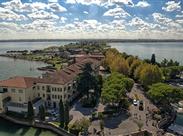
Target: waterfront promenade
<point>42,125</point>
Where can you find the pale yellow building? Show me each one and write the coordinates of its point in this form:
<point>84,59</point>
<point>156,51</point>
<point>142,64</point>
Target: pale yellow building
<point>15,92</point>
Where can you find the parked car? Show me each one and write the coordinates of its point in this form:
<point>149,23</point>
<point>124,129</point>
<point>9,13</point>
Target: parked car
<point>135,102</point>
<point>141,105</point>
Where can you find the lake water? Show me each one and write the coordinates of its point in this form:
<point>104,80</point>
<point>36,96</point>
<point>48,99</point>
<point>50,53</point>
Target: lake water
<point>168,50</point>
<point>12,67</point>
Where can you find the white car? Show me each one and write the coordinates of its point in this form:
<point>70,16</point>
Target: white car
<point>135,102</point>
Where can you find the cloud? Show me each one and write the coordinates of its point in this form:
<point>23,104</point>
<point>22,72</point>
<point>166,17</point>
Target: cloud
<point>55,7</point>
<point>9,26</point>
<point>105,3</point>
<point>63,19</point>
<point>140,24</point>
<point>179,15</point>
<point>41,14</point>
<point>6,14</point>
<point>116,13</point>
<point>86,2</point>
<point>85,12</point>
<point>54,1</point>
<point>161,19</point>
<point>171,6</point>
<point>18,6</point>
<point>39,25</point>
<point>126,2</point>
<point>142,4</point>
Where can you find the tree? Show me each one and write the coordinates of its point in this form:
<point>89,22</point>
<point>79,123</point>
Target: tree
<point>42,113</point>
<point>86,80</point>
<point>61,113</point>
<point>133,67</point>
<point>66,114</point>
<point>163,94</point>
<point>148,74</point>
<point>117,61</point>
<point>30,114</point>
<point>115,88</point>
<point>153,59</point>
<point>79,126</point>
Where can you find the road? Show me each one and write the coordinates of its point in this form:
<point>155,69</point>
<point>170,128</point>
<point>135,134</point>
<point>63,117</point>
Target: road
<point>144,116</point>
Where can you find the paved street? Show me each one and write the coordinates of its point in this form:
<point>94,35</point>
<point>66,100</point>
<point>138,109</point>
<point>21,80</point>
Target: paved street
<point>124,124</point>
<point>78,112</point>
<point>143,116</point>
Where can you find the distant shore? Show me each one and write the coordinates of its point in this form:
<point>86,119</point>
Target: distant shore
<point>107,40</point>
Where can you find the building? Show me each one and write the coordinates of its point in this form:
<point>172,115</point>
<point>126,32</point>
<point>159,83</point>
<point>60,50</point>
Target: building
<point>15,92</point>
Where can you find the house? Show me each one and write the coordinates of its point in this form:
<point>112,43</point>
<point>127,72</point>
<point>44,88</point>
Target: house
<point>15,92</point>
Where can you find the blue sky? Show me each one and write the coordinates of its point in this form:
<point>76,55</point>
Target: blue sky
<point>122,19</point>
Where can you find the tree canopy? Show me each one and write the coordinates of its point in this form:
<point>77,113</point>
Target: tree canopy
<point>115,88</point>
<point>164,94</point>
<point>148,74</point>
<point>116,61</point>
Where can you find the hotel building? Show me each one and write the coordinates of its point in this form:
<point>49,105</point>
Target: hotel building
<point>15,92</point>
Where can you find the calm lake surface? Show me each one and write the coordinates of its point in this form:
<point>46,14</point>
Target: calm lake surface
<point>13,67</point>
<point>168,50</point>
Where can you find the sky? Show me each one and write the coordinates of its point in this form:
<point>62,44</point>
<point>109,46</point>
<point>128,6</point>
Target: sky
<point>85,19</point>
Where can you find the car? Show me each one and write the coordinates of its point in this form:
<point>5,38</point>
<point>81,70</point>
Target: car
<point>135,102</point>
<point>141,105</point>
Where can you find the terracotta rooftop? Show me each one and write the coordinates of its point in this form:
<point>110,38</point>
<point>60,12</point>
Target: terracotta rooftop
<point>67,74</point>
<point>18,82</point>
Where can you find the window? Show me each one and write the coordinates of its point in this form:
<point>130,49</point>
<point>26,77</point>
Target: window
<point>53,97</point>
<point>60,89</point>
<point>20,99</point>
<point>38,94</point>
<point>58,97</point>
<point>52,89</point>
<point>42,87</point>
<point>38,87</point>
<point>20,91</point>
<point>13,90</point>
<point>69,88</point>
<point>64,89</point>
<point>43,95</point>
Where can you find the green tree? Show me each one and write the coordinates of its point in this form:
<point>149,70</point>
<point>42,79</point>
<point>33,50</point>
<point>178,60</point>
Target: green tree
<point>42,113</point>
<point>66,114</point>
<point>115,88</point>
<point>30,114</point>
<point>163,94</point>
<point>79,126</point>
<point>87,80</point>
<point>61,113</point>
<point>153,59</point>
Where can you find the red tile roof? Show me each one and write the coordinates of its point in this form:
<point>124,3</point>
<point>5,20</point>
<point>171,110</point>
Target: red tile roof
<point>67,74</point>
<point>18,82</point>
